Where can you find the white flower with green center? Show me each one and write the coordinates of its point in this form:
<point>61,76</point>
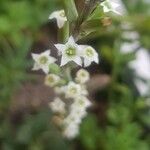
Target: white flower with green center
<point>57,106</point>
<point>70,52</point>
<point>82,76</point>
<point>89,54</point>
<point>81,102</point>
<point>110,6</point>
<point>42,61</point>
<point>60,17</point>
<point>73,90</point>
<point>52,80</point>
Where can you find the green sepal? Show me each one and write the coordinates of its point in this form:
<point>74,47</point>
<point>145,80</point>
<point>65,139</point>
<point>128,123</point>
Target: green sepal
<point>54,68</point>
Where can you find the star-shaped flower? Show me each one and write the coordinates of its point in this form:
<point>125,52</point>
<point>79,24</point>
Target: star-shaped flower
<point>70,52</point>
<point>89,54</point>
<point>109,5</point>
<point>42,61</point>
<point>60,17</point>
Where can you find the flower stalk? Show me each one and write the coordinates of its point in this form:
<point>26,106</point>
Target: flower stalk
<point>71,102</point>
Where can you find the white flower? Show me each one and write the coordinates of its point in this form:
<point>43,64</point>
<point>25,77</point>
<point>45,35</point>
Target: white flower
<point>82,76</point>
<point>42,61</point>
<point>79,106</point>
<point>52,80</point>
<point>57,106</point>
<point>72,118</point>
<point>60,17</point>
<point>89,54</point>
<point>71,131</point>
<point>73,90</point>
<point>70,52</point>
<point>79,112</point>
<point>81,102</point>
<point>109,5</point>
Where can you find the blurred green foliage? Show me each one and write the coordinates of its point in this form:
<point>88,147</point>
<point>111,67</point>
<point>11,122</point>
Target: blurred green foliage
<point>19,23</point>
<point>127,117</point>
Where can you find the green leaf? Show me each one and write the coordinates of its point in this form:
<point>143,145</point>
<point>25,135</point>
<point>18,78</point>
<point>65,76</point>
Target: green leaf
<point>96,14</point>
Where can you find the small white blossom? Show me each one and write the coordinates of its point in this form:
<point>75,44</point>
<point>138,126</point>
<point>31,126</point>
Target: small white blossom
<point>110,6</point>
<point>42,61</point>
<point>57,106</point>
<point>70,52</point>
<point>81,102</point>
<point>79,112</point>
<point>72,118</point>
<point>60,17</point>
<point>89,54</point>
<point>52,80</point>
<point>73,90</point>
<point>82,76</point>
<point>79,106</point>
<point>71,131</point>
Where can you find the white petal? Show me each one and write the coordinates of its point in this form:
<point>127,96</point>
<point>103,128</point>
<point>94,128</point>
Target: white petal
<point>36,67</point>
<point>77,60</point>
<point>35,56</point>
<point>87,63</point>
<point>64,61</point>
<point>106,9</point>
<point>71,41</point>
<point>47,52</point>
<point>51,59</point>
<point>117,12</point>
<point>96,59</point>
<point>60,47</point>
<point>114,5</point>
<point>53,15</point>
<point>60,22</point>
<point>45,69</point>
<point>81,49</point>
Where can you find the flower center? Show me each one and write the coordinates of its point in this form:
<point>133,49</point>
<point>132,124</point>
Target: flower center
<point>43,60</point>
<point>83,74</point>
<point>51,79</point>
<point>89,52</point>
<point>71,51</point>
<point>73,90</point>
<point>62,14</point>
<point>81,102</point>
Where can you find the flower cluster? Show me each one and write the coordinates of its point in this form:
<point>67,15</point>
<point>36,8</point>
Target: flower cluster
<point>71,103</point>
<point>71,108</point>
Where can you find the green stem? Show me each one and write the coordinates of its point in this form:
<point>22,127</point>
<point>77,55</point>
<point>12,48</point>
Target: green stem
<point>63,34</point>
<point>68,73</point>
